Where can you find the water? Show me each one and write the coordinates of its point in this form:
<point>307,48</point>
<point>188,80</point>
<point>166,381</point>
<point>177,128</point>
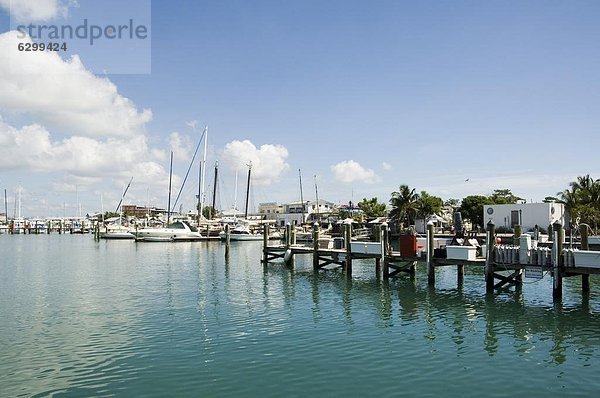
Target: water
<point>81,318</point>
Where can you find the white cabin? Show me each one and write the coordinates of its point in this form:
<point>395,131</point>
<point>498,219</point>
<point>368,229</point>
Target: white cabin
<point>528,215</point>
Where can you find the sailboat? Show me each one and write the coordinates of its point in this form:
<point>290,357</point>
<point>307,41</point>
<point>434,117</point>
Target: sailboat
<point>116,229</point>
<point>172,232</point>
<point>17,225</point>
<point>242,230</point>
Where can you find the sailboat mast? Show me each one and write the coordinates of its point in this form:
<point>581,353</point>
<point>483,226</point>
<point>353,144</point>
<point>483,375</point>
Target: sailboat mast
<point>202,192</point>
<point>120,206</point>
<point>170,180</point>
<point>301,195</point>
<point>19,203</point>
<point>248,190</point>
<point>214,197</point>
<point>235,192</point>
<point>5,207</point>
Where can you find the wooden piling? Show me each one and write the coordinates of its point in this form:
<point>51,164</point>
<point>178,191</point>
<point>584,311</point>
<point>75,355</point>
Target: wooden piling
<point>385,236</point>
<point>377,236</point>
<point>315,239</point>
<point>518,274</point>
<point>265,242</point>
<point>557,266</point>
<point>489,257</point>
<point>430,246</point>
<point>227,240</point>
<point>585,278</point>
<point>348,241</point>
<point>288,235</point>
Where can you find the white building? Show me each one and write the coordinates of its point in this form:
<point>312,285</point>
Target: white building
<point>528,215</point>
<point>292,212</point>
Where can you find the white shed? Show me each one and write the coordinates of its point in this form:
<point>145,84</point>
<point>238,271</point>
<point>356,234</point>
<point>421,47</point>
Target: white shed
<point>528,215</point>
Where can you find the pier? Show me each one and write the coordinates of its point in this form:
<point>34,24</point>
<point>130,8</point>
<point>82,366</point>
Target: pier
<point>504,265</point>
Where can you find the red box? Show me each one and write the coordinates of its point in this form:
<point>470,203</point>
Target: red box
<point>408,245</point>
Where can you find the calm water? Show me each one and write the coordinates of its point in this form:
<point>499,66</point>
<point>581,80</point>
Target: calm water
<point>83,318</point>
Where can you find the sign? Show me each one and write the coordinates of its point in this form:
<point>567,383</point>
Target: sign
<point>534,272</point>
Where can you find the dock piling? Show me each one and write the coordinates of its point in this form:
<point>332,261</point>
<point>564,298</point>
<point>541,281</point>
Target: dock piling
<point>315,239</point>
<point>385,235</point>
<point>227,240</point>
<point>430,247</point>
<point>489,257</point>
<point>557,266</point>
<point>585,278</point>
<point>265,242</point>
<point>348,242</point>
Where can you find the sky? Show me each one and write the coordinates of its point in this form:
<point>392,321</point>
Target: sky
<point>455,98</point>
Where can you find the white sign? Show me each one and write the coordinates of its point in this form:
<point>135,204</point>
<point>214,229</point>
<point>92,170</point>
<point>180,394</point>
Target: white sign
<point>534,272</point>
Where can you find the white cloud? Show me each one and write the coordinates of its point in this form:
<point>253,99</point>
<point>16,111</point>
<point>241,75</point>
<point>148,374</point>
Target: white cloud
<point>37,10</point>
<point>351,171</point>
<point>31,148</point>
<point>181,145</point>
<point>63,95</point>
<point>386,166</point>
<point>268,161</point>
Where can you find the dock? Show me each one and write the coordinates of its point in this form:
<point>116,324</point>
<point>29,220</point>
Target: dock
<point>504,265</point>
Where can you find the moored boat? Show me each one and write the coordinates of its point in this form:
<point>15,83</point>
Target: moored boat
<point>174,232</point>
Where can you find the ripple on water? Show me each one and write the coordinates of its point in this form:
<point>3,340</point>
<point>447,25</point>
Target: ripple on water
<point>96,319</point>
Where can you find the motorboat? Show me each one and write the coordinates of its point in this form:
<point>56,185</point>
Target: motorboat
<point>240,232</point>
<point>174,232</point>
<point>116,231</point>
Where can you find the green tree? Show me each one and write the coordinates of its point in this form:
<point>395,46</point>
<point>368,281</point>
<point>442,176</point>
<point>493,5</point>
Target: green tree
<point>209,212</point>
<point>582,200</point>
<point>403,204</point>
<point>372,208</point>
<point>110,214</point>
<point>471,208</point>
<point>426,205</point>
<point>503,196</point>
<point>452,204</point>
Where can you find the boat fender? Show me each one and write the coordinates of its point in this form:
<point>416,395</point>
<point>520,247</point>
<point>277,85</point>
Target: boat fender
<point>287,256</point>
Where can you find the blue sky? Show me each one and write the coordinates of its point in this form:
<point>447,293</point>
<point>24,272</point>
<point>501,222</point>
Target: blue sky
<point>424,93</point>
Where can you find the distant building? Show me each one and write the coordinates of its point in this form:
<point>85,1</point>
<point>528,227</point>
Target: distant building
<point>3,217</point>
<point>292,212</point>
<point>269,209</point>
<point>141,211</point>
<point>528,215</point>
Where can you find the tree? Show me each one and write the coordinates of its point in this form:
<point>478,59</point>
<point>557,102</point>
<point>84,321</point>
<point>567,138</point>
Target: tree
<point>471,208</point>
<point>582,200</point>
<point>372,208</point>
<point>452,204</point>
<point>209,212</point>
<point>503,196</point>
<point>403,202</point>
<point>426,205</point>
<point>110,214</point>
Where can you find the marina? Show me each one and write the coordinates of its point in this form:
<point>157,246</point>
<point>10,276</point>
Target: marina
<point>125,318</point>
<point>393,199</point>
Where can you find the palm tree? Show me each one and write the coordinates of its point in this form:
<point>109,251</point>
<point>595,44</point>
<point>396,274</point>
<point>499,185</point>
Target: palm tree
<point>570,199</point>
<point>583,188</point>
<point>403,202</point>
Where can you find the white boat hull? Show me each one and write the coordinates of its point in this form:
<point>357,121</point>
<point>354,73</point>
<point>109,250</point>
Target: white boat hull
<point>167,234</point>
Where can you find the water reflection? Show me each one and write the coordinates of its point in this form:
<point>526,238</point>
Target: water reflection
<point>509,321</point>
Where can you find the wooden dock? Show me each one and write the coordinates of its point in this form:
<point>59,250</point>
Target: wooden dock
<point>499,272</point>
